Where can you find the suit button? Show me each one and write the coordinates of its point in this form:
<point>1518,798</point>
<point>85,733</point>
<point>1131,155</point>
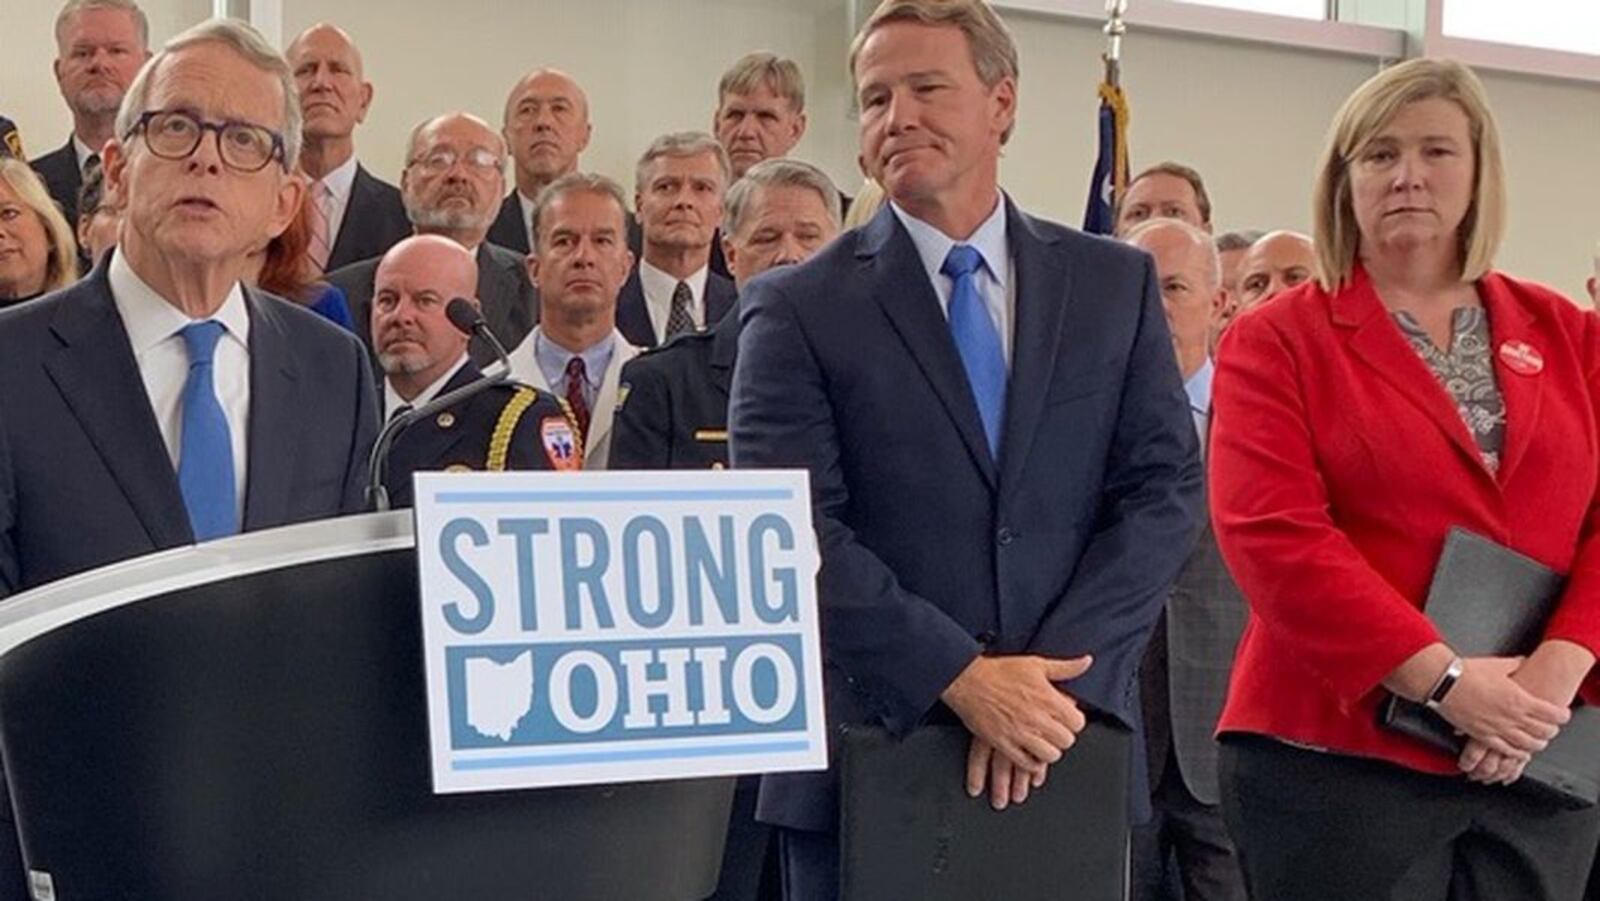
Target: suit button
<point>1005,536</point>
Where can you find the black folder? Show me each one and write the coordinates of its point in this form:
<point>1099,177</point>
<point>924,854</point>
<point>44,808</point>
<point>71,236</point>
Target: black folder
<point>1490,601</point>
<point>909,830</point>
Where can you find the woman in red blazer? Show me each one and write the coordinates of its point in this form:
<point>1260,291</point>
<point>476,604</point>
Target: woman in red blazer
<point>1355,421</point>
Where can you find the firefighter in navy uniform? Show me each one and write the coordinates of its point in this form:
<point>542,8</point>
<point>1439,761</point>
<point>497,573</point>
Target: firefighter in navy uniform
<point>509,426</point>
<point>673,412</point>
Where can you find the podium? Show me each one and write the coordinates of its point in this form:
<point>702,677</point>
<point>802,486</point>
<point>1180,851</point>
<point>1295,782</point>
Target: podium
<point>247,719</point>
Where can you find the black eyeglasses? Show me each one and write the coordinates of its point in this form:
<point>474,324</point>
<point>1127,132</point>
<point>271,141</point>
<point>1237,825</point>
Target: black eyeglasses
<point>174,135</point>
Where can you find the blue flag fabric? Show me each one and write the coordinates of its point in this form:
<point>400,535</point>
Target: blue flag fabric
<point>1111,163</point>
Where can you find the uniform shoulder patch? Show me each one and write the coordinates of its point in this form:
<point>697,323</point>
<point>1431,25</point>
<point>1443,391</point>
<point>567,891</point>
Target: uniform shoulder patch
<point>560,441</point>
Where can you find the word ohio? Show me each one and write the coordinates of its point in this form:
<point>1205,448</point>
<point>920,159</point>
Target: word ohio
<point>602,627</point>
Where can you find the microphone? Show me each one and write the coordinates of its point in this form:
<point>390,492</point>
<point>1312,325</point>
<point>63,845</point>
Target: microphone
<point>464,315</point>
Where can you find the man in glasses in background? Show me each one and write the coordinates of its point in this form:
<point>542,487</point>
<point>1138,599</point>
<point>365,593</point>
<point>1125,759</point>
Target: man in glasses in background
<point>452,185</point>
<point>159,402</point>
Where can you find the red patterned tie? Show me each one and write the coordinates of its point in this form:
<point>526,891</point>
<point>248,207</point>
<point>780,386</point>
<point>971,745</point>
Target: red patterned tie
<point>321,243</point>
<point>577,374</point>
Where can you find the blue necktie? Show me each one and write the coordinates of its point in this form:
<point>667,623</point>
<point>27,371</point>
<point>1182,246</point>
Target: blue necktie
<point>205,453</point>
<point>977,341</point>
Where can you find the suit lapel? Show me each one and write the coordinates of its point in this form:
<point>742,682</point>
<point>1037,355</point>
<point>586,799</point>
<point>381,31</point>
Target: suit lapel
<point>725,352</point>
<point>341,252</point>
<point>1510,324</point>
<point>96,373</point>
<point>901,287</point>
<point>633,316</point>
<point>275,426</point>
<point>425,445</point>
<point>1043,289</point>
<point>720,295</point>
<point>605,402</point>
<point>1379,344</point>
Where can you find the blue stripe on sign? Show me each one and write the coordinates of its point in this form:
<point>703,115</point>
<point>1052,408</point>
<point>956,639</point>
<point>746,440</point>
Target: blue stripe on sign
<point>500,763</point>
<point>523,497</point>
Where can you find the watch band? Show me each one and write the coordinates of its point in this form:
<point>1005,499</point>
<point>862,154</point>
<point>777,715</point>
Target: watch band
<point>1447,681</point>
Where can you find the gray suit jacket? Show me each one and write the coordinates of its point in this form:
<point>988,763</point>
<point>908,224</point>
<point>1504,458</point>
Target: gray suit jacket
<point>1184,679</point>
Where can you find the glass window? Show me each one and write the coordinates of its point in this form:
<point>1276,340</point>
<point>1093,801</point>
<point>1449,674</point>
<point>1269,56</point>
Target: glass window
<point>1301,9</point>
<point>1572,25</point>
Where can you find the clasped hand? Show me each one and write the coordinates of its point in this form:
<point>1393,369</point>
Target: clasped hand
<point>1019,720</point>
<point>1505,722</point>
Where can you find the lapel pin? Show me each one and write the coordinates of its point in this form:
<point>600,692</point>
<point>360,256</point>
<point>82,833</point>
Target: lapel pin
<point>1521,357</point>
<point>446,420</point>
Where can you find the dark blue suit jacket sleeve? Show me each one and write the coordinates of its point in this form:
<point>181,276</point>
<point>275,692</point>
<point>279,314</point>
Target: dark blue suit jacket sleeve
<point>367,418</point>
<point>1149,517</point>
<point>897,649</point>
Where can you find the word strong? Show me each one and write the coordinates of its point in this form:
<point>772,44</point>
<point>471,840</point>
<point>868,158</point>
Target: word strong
<point>605,627</point>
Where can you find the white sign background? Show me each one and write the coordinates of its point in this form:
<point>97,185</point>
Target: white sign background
<point>725,690</point>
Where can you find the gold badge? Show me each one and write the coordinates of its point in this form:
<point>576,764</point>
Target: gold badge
<point>446,420</point>
<point>458,467</point>
<point>718,465</point>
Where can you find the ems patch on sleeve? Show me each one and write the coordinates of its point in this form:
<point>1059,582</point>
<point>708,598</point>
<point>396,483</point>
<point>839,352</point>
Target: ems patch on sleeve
<point>560,443</point>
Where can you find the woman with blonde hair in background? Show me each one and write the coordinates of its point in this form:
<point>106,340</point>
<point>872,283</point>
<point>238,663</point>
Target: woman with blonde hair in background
<point>37,252</point>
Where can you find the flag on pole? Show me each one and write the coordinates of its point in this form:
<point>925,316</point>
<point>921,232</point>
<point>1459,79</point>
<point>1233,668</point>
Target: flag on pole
<point>1111,164</point>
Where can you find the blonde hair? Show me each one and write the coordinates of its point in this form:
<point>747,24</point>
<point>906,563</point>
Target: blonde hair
<point>994,53</point>
<point>61,269</point>
<point>864,205</point>
<point>763,68</point>
<point>1365,113</point>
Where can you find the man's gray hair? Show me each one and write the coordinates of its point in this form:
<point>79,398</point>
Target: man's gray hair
<point>572,183</point>
<point>681,144</point>
<point>248,43</point>
<point>777,173</point>
<point>1238,240</point>
<point>1198,236</point>
<point>141,23</point>
<point>764,69</point>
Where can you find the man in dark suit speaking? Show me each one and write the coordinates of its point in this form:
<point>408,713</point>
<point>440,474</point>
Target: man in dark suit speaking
<point>1004,473</point>
<point>158,402</point>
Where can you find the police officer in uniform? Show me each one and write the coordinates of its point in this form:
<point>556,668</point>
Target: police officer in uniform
<point>673,412</point>
<point>674,408</point>
<point>423,356</point>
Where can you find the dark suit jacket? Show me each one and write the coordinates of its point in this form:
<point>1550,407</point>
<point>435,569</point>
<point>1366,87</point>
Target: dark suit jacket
<point>674,414</point>
<point>62,178</point>
<point>1184,681</point>
<point>633,314</point>
<point>374,221</point>
<point>85,478</point>
<point>510,303</point>
<point>932,551</point>
<point>458,438</point>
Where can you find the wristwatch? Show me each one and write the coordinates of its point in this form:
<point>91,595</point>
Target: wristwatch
<point>1447,681</point>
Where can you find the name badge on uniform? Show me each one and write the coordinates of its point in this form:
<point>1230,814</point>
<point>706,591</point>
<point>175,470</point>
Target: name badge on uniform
<point>711,435</point>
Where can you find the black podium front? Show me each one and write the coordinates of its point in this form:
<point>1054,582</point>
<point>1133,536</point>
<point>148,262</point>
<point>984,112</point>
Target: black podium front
<point>247,719</point>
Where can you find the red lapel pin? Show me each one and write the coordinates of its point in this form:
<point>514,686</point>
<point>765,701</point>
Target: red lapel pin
<point>1521,357</point>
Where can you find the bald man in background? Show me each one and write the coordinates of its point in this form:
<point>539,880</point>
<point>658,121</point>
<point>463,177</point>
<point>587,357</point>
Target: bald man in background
<point>354,215</point>
<point>424,356</point>
<point>1184,675</point>
<point>1274,264</point>
<point>546,129</point>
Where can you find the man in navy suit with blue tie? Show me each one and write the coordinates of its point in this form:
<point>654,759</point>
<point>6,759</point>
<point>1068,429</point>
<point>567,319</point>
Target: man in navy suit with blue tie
<point>159,402</point>
<point>1004,473</point>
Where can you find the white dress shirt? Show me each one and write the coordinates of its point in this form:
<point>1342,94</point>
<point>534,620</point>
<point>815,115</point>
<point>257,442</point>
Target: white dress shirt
<point>84,151</point>
<point>1198,387</point>
<point>338,182</point>
<point>997,282</point>
<point>392,400</point>
<point>153,327</point>
<point>658,288</point>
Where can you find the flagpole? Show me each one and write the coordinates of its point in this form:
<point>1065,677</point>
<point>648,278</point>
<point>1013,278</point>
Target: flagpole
<point>1115,28</point>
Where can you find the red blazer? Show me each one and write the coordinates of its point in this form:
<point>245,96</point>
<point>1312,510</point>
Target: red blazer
<point>1337,465</point>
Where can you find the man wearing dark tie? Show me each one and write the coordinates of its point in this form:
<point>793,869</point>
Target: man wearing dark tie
<point>159,402</point>
<point>546,128</point>
<point>579,260</point>
<point>455,172</point>
<point>1184,678</point>
<point>100,45</point>
<point>678,192</point>
<point>1004,473</point>
<point>353,215</point>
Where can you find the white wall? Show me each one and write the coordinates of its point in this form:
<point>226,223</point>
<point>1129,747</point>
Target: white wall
<point>1250,117</point>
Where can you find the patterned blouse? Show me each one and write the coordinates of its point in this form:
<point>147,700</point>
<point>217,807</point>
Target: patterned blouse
<point>1467,371</point>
